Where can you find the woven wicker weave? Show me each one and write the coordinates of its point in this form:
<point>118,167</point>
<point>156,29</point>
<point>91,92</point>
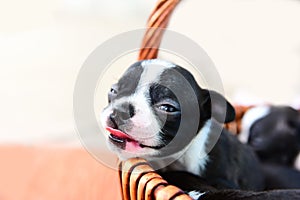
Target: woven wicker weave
<point>139,181</point>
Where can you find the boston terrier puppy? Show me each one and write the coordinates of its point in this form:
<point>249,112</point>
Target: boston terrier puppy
<point>273,132</point>
<point>157,109</point>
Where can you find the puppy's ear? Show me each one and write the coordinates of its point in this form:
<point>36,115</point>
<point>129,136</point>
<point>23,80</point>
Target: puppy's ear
<point>217,107</point>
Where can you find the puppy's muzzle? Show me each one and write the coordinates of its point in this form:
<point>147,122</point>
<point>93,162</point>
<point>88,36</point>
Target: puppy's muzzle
<point>121,115</point>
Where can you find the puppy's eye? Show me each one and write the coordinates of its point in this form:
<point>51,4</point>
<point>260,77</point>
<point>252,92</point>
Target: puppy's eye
<point>112,93</point>
<point>167,108</point>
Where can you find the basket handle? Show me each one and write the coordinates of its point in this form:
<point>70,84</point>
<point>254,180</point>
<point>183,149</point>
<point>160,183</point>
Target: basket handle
<point>157,22</point>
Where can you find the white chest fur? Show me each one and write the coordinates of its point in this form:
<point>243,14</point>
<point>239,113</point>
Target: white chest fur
<point>194,157</point>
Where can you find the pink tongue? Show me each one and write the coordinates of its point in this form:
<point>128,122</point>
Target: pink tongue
<point>131,145</point>
<point>117,133</point>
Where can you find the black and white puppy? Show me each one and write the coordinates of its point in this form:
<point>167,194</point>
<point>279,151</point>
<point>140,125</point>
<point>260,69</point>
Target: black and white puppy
<point>273,132</point>
<point>158,109</point>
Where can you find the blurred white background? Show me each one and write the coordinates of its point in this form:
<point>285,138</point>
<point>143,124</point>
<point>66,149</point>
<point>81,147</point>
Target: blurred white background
<point>255,45</point>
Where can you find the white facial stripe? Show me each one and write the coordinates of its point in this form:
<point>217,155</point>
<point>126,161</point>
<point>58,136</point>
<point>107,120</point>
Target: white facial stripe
<point>152,71</point>
<point>162,63</point>
<point>146,125</point>
<point>249,118</point>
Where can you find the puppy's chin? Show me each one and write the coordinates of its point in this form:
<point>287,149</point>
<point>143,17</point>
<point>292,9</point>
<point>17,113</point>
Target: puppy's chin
<point>130,150</point>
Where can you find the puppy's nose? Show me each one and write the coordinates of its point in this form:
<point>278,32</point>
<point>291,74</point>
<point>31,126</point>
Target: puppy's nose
<point>121,114</point>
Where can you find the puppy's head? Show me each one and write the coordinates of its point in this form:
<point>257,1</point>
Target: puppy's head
<point>154,102</point>
<point>276,136</point>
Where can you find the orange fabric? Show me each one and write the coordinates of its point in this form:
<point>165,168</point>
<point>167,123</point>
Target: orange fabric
<point>235,127</point>
<point>55,173</point>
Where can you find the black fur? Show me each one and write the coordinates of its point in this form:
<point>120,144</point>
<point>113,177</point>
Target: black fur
<point>128,83</point>
<point>233,165</point>
<point>249,195</point>
<point>190,182</point>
